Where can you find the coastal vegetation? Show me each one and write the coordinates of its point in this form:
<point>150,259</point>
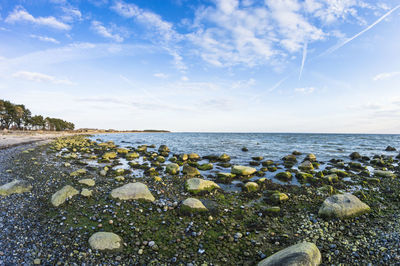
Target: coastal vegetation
<point>18,117</point>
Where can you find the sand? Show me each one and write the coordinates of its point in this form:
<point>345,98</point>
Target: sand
<point>12,138</point>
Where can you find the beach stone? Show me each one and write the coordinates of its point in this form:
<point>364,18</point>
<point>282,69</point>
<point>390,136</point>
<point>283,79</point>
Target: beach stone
<point>15,187</point>
<point>78,172</point>
<point>245,149</point>
<point>306,166</point>
<point>224,158</point>
<point>132,155</point>
<point>190,171</point>
<point>302,254</point>
<point>290,158</point>
<point>257,158</point>
<point>243,170</point>
<point>119,178</point>
<point>88,181</point>
<point>105,241</point>
<point>163,148</point>
<point>133,191</point>
<point>285,176</point>
<point>390,148</point>
<point>86,192</point>
<point>172,168</point>
<point>62,195</point>
<point>278,197</point>
<point>251,186</point>
<point>141,148</point>
<point>109,155</point>
<point>122,151</point>
<point>183,157</point>
<point>343,206</point>
<point>384,174</point>
<point>196,185</point>
<point>160,159</point>
<point>310,157</point>
<point>192,205</point>
<point>355,156</point>
<point>205,166</point>
<point>194,156</point>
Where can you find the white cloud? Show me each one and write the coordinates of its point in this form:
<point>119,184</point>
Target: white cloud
<point>106,32</point>
<point>44,38</point>
<point>71,14</point>
<point>305,90</point>
<point>39,77</point>
<point>160,75</point>
<point>21,15</point>
<point>388,75</point>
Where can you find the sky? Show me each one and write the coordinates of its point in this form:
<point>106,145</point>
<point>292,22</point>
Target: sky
<point>323,66</point>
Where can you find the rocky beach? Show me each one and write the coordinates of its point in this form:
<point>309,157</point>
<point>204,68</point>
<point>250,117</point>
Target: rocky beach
<point>75,200</point>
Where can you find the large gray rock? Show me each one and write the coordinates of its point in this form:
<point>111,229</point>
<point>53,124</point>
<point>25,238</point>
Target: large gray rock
<point>193,205</point>
<point>133,191</point>
<point>343,206</point>
<point>105,241</point>
<point>302,254</point>
<point>15,187</point>
<point>63,194</point>
<point>243,170</point>
<point>196,185</point>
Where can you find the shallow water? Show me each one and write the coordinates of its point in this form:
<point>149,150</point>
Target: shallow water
<point>272,146</point>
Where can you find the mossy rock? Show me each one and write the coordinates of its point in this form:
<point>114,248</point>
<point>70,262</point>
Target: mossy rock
<point>205,166</point>
<point>251,186</point>
<point>160,159</point>
<point>190,171</point>
<point>122,151</point>
<point>132,156</point>
<point>194,157</point>
<point>304,177</point>
<point>172,169</point>
<point>243,170</point>
<point>278,197</point>
<point>224,158</point>
<point>109,155</point>
<point>225,177</point>
<point>284,176</point>
<point>198,185</point>
<point>257,158</point>
<point>268,163</point>
<point>192,205</point>
<point>79,172</point>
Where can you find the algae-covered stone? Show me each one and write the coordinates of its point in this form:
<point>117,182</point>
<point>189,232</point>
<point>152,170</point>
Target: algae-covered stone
<point>257,158</point>
<point>109,155</point>
<point>251,186</point>
<point>78,172</point>
<point>194,156</point>
<point>384,174</point>
<point>343,206</point>
<point>205,166</point>
<point>63,194</point>
<point>105,241</point>
<point>278,197</point>
<point>224,158</point>
<point>119,178</point>
<point>355,156</point>
<point>302,254</point>
<point>190,171</point>
<point>160,159</point>
<point>141,148</point>
<point>88,181</point>
<point>15,187</point>
<point>243,170</point>
<point>274,209</point>
<point>306,166</point>
<point>86,192</point>
<point>290,158</point>
<point>163,148</point>
<point>122,151</point>
<point>193,205</point>
<point>284,176</point>
<point>268,163</point>
<point>132,156</point>
<point>310,157</point>
<point>196,185</point>
<point>331,178</point>
<point>225,177</point>
<point>304,177</point>
<point>172,168</point>
<point>338,172</point>
<point>133,191</point>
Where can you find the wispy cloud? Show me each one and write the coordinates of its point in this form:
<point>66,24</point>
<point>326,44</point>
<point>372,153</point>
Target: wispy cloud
<point>341,44</point>
<point>44,38</point>
<point>160,75</point>
<point>303,59</point>
<point>307,90</point>
<point>100,29</point>
<point>387,75</point>
<point>21,15</point>
<point>39,77</point>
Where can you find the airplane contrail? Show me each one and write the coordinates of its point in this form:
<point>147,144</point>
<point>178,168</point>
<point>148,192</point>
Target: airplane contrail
<point>304,59</point>
<point>339,45</point>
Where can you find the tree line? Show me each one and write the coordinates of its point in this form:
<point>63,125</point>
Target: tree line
<point>18,117</point>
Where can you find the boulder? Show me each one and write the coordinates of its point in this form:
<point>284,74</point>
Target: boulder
<point>172,168</point>
<point>15,187</point>
<point>88,182</point>
<point>109,155</point>
<point>132,155</point>
<point>183,157</point>
<point>78,172</point>
<point>224,158</point>
<point>105,241</point>
<point>284,176</point>
<point>251,186</point>
<point>63,194</point>
<point>343,206</point>
<point>306,166</point>
<point>86,192</point>
<point>310,157</point>
<point>384,174</point>
<point>243,170</point>
<point>193,205</point>
<point>133,191</point>
<point>355,156</point>
<point>190,171</point>
<point>390,148</point>
<point>196,185</point>
<point>163,149</point>
<point>194,156</point>
<point>302,254</point>
<point>205,166</point>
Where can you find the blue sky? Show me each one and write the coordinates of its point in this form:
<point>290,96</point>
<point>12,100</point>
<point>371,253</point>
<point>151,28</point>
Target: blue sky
<point>217,65</point>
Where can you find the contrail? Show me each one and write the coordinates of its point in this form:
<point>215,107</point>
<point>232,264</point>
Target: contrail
<point>334,48</point>
<point>304,58</point>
